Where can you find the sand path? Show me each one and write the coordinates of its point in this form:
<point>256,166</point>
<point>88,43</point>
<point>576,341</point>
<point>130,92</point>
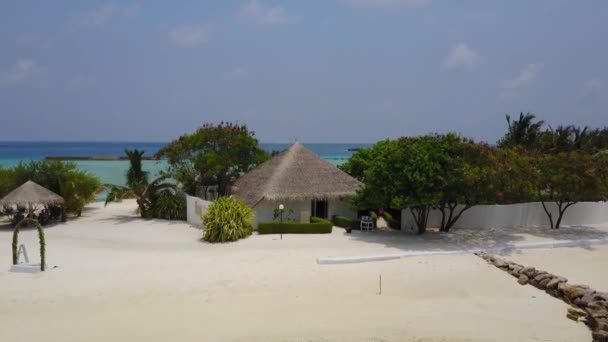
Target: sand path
<point>122,278</point>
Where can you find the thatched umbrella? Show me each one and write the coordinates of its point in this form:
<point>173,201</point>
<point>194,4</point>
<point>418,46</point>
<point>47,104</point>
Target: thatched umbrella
<point>31,194</point>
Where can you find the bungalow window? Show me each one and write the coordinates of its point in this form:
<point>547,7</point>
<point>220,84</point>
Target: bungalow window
<point>318,208</point>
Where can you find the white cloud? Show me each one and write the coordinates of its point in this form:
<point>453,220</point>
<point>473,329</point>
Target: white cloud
<point>258,13</point>
<point>387,3</point>
<point>189,36</point>
<point>21,72</point>
<point>593,89</point>
<point>239,73</point>
<point>79,82</point>
<point>95,17</point>
<point>526,76</point>
<point>461,57</point>
<point>131,11</point>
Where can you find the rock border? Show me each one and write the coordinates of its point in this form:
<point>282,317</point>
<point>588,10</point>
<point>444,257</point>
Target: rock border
<point>588,306</point>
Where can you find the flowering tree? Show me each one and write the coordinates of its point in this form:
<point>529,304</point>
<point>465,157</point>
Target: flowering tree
<point>214,155</point>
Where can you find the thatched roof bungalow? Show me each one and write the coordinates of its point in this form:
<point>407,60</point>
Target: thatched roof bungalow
<point>302,181</point>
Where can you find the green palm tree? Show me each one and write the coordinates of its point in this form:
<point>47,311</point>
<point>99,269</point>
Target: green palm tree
<point>138,186</point>
<point>523,132</point>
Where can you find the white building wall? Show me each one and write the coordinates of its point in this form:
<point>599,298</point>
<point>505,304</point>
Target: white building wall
<point>517,215</point>
<point>340,207</point>
<point>196,207</point>
<point>264,211</point>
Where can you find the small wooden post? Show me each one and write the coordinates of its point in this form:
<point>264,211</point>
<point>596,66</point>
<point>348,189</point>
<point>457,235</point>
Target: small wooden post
<point>380,285</point>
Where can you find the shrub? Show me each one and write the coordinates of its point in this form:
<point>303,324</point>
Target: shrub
<point>169,205</point>
<point>227,219</point>
<point>345,222</point>
<point>316,226</point>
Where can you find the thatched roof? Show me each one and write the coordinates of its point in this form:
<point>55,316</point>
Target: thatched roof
<point>31,193</point>
<point>296,173</point>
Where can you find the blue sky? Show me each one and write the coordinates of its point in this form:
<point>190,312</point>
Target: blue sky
<point>318,71</point>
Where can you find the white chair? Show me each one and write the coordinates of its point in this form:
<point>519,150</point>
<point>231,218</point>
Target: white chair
<point>367,223</point>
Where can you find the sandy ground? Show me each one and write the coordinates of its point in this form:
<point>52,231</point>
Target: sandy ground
<point>120,278</point>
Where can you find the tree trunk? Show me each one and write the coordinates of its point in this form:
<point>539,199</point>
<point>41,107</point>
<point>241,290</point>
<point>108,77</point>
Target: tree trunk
<point>421,215</point>
<point>561,213</point>
<point>442,209</point>
<point>453,219</point>
<point>546,210</point>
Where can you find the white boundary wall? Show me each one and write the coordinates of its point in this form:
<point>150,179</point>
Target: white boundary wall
<point>196,208</point>
<point>517,215</point>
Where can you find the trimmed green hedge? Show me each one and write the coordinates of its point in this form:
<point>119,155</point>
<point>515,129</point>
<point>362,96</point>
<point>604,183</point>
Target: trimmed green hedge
<point>316,226</point>
<point>345,222</point>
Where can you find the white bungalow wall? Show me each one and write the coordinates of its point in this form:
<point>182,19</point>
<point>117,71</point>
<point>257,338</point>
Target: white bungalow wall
<point>264,211</point>
<point>517,215</point>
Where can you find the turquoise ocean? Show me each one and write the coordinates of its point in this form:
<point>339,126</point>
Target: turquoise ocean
<point>113,172</point>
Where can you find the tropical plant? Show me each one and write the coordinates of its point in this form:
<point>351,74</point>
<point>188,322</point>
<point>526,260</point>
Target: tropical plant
<point>213,156</point>
<point>524,132</point>
<point>156,199</point>
<point>77,187</point>
<point>169,204</point>
<point>227,219</point>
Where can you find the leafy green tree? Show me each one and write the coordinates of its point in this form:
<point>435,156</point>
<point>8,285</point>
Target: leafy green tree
<point>213,156</point>
<point>467,177</point>
<point>362,159</point>
<point>566,179</point>
<point>524,132</point>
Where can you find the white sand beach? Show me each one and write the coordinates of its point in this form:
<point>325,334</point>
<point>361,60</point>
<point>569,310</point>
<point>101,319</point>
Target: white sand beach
<point>120,278</point>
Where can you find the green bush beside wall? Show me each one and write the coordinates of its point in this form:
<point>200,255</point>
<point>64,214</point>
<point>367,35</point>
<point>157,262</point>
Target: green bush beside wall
<point>345,222</point>
<point>316,226</point>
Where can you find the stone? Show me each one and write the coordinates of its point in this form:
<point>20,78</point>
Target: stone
<point>500,263</point>
<point>577,312</point>
<point>602,324</point>
<point>562,286</point>
<point>600,336</point>
<point>572,317</point>
<point>603,296</point>
<point>574,292</point>
<point>587,297</point>
<point>540,277</point>
<point>552,292</point>
<point>523,279</point>
<point>597,314</point>
<point>529,271</point>
<point>556,281</point>
<point>597,305</point>
<point>543,283</point>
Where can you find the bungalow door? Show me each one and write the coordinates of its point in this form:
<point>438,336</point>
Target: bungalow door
<point>318,208</point>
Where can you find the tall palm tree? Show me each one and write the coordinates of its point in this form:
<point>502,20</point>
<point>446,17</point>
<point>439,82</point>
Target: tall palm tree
<point>138,186</point>
<point>523,132</point>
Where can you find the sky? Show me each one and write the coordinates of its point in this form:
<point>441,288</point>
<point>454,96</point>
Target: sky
<point>316,71</point>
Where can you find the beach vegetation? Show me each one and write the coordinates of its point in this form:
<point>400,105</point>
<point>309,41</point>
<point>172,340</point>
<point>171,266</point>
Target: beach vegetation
<point>317,225</point>
<point>78,188</point>
<point>227,219</point>
<point>523,132</point>
<point>345,222</point>
<point>213,157</point>
<point>565,179</point>
<point>156,199</point>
